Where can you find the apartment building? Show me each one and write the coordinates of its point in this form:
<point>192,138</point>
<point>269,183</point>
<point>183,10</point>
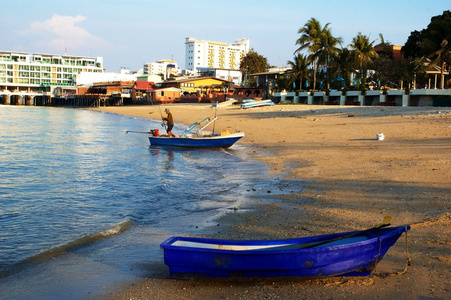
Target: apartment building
<point>232,76</point>
<point>164,66</point>
<point>217,55</point>
<point>21,71</point>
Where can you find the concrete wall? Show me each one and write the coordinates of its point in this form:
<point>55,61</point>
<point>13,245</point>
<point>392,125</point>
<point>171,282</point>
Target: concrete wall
<point>419,97</point>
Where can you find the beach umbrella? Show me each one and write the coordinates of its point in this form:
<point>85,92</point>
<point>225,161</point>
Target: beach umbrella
<point>341,80</point>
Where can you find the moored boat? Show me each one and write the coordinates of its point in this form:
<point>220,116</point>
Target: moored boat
<point>194,137</point>
<point>340,254</point>
<point>204,141</point>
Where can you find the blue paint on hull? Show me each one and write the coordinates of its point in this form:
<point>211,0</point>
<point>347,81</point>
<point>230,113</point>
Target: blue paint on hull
<point>349,256</point>
<point>197,142</point>
<point>257,103</point>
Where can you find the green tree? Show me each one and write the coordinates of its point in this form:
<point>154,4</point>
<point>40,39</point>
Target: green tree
<point>384,69</point>
<point>387,50</point>
<point>327,48</point>
<point>344,62</point>
<point>416,71</point>
<point>251,63</point>
<point>411,71</point>
<point>412,48</point>
<point>225,86</point>
<point>364,51</point>
<point>299,69</point>
<point>282,83</point>
<point>309,40</point>
<point>436,42</point>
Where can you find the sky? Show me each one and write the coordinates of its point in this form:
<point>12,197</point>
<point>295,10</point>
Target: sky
<point>133,32</point>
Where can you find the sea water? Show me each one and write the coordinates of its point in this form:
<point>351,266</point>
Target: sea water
<point>70,178</point>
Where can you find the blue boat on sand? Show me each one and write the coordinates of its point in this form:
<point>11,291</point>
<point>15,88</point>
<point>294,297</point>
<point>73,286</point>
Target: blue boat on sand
<point>250,104</point>
<point>340,254</point>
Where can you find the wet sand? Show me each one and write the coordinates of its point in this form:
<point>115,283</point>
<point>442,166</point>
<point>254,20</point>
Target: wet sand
<point>350,181</point>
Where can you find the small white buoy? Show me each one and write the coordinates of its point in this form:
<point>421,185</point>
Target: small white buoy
<point>380,136</point>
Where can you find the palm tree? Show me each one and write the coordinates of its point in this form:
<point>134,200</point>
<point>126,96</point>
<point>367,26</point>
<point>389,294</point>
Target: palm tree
<point>299,69</point>
<point>327,47</point>
<point>310,39</point>
<point>386,46</point>
<point>363,50</point>
<point>344,62</point>
<point>281,83</point>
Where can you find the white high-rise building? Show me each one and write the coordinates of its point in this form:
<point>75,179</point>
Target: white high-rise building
<point>218,55</point>
<point>164,66</point>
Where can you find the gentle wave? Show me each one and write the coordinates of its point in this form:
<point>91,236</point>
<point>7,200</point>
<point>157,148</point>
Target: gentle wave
<point>70,246</point>
<point>83,241</point>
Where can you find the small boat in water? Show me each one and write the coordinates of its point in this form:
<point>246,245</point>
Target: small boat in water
<point>340,254</point>
<point>193,137</point>
<point>203,141</point>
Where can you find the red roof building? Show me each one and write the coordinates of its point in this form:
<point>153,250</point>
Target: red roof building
<point>397,54</point>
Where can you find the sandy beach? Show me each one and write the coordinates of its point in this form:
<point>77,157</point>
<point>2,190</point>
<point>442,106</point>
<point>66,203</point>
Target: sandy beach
<point>349,179</point>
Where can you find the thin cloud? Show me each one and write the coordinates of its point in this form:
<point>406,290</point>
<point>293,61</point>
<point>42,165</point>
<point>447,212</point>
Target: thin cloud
<point>62,32</point>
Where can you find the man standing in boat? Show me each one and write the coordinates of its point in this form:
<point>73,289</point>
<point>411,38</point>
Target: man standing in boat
<point>170,122</point>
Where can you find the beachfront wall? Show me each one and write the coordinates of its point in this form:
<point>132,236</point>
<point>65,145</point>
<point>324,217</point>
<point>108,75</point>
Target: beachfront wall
<point>242,93</point>
<point>419,97</point>
<point>164,96</point>
<point>209,98</point>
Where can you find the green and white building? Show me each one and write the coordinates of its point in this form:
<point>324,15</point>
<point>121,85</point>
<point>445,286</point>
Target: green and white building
<point>25,72</point>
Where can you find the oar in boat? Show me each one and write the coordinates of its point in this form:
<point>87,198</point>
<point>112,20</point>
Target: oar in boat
<point>146,132</point>
<point>386,222</point>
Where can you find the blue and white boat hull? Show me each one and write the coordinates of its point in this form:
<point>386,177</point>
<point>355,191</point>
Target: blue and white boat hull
<point>339,254</point>
<point>219,141</point>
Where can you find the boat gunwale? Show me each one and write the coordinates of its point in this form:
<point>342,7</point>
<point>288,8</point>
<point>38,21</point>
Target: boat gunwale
<point>386,234</point>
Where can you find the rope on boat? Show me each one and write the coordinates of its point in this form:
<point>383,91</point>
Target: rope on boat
<point>378,253</point>
<point>408,261</point>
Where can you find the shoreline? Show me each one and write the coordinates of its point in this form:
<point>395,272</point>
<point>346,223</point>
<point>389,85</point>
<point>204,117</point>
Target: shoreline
<point>350,180</point>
